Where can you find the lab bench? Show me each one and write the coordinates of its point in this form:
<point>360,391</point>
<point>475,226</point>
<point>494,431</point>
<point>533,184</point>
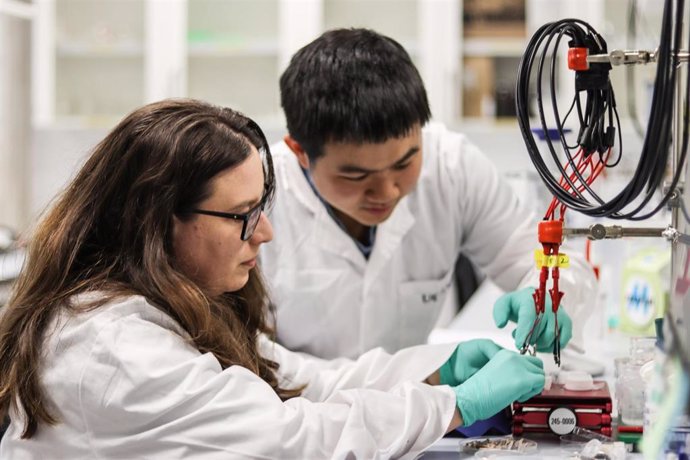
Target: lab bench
<point>548,447</point>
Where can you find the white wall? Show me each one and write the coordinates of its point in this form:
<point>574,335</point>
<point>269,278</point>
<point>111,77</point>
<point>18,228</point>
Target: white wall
<point>14,118</point>
<point>56,155</point>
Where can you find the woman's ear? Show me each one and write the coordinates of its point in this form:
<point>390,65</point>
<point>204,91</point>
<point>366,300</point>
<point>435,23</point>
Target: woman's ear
<point>299,152</point>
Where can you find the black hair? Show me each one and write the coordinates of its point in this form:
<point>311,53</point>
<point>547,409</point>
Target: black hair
<point>353,86</point>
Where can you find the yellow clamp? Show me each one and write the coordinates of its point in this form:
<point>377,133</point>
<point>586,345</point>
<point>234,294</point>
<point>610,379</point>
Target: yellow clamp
<point>560,260</point>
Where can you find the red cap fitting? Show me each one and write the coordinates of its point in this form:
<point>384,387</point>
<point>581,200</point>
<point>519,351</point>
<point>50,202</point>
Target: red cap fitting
<point>551,231</point>
<point>577,59</point>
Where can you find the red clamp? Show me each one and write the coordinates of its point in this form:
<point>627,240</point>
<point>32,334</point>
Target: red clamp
<point>550,237</point>
<point>577,59</point>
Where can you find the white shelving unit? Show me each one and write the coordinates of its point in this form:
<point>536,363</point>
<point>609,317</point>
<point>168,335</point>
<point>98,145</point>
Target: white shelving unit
<point>232,52</point>
<point>97,45</point>
<point>397,19</point>
<point>15,26</point>
<point>85,78</point>
<point>95,61</point>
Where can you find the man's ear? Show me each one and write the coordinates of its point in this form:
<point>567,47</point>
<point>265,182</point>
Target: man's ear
<point>299,152</point>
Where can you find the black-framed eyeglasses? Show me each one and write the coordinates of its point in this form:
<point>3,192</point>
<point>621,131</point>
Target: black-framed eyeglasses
<point>249,220</point>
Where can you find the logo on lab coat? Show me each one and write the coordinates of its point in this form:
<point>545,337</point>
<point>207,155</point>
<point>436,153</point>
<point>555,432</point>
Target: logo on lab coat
<point>431,297</point>
<point>426,298</point>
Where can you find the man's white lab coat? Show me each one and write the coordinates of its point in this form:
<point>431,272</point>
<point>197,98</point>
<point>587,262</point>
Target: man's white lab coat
<point>330,301</point>
<point>125,382</point>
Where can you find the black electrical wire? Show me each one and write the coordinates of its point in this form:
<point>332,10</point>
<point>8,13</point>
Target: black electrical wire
<point>598,118</point>
<point>581,34</point>
<point>672,65</point>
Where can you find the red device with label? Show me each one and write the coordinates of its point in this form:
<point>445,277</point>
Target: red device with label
<point>558,411</point>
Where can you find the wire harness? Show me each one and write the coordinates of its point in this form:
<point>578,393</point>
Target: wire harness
<point>569,167</point>
<point>578,164</point>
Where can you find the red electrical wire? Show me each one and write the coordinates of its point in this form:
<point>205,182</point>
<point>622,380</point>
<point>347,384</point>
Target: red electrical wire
<point>588,168</point>
<point>584,162</point>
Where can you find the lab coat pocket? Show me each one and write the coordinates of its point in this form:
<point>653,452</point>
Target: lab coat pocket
<point>421,303</point>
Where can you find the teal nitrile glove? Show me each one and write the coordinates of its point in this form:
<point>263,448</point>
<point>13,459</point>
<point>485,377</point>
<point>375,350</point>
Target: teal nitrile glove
<point>518,306</point>
<point>506,378</point>
<point>466,360</point>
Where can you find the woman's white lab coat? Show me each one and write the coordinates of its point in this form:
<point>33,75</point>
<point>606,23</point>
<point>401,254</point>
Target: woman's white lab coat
<point>126,383</point>
<point>332,302</point>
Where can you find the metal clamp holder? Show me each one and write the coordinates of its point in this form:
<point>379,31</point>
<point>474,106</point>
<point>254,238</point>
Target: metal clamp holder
<point>626,57</point>
<point>600,232</point>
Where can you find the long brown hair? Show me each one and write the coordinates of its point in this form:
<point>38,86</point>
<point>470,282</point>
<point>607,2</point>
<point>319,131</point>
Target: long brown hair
<point>110,231</point>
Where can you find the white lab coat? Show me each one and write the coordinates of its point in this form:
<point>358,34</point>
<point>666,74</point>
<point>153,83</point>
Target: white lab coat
<point>126,383</point>
<point>330,301</point>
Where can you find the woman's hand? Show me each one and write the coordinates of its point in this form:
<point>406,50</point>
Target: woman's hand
<point>466,360</point>
<point>506,378</point>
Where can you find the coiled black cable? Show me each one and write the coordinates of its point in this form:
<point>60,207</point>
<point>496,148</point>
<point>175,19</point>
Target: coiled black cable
<point>598,118</point>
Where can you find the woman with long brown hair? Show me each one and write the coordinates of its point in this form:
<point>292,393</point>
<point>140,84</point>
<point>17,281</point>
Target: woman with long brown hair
<point>138,325</point>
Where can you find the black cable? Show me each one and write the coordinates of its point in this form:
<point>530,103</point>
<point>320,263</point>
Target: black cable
<point>581,34</point>
<point>565,119</point>
<point>598,119</point>
<point>668,119</point>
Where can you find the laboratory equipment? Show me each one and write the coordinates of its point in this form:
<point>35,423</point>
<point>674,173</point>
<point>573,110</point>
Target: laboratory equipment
<point>559,410</point>
<point>644,291</point>
<point>570,165</point>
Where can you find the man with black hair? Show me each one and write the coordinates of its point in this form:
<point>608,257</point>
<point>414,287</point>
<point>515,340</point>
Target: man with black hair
<point>375,204</point>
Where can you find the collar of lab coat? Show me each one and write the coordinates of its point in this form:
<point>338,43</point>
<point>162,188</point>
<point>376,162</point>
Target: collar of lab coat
<point>330,237</point>
<point>389,237</point>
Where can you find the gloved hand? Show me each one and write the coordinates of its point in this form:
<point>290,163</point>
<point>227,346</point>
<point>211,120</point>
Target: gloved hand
<point>466,360</point>
<point>518,306</point>
<point>506,378</point>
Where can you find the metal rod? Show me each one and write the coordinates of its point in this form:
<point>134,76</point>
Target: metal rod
<point>676,135</point>
<point>626,57</point>
<point>600,232</point>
